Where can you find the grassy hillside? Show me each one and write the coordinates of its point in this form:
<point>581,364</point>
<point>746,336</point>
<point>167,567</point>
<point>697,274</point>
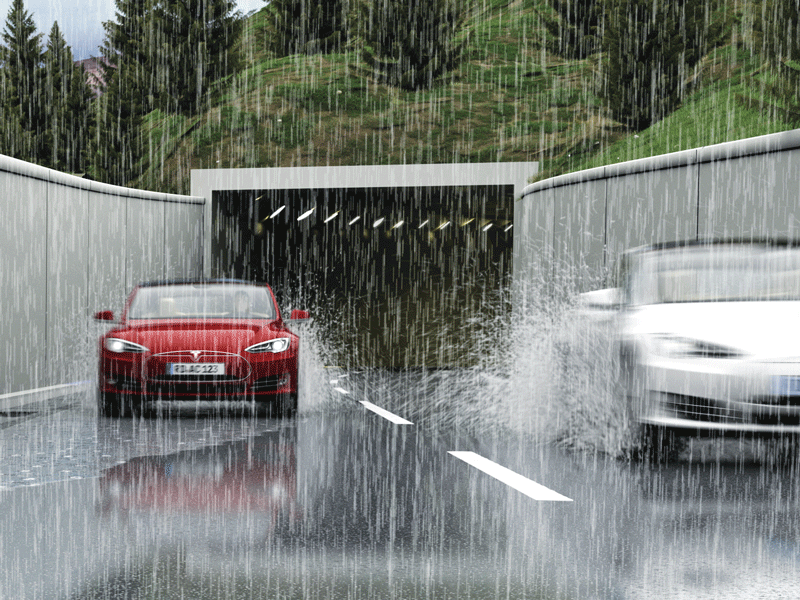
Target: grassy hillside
<point>511,100</point>
<point>728,105</point>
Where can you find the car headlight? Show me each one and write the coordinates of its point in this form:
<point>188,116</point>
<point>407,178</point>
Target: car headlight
<point>674,346</point>
<point>274,346</point>
<point>117,345</point>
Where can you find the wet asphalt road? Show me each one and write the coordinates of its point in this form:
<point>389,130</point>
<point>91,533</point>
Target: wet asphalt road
<point>342,502</point>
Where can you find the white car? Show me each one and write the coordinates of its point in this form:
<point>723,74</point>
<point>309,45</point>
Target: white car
<point>708,335</point>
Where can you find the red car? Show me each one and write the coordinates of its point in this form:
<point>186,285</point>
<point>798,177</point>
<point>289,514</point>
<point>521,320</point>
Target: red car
<point>199,340</point>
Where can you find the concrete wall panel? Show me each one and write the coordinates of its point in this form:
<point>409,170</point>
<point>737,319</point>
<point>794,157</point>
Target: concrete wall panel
<point>751,196</point>
<point>747,188</point>
<point>651,207</point>
<point>533,243</point>
<point>68,248</point>
<point>183,234</point>
<point>146,243</point>
<point>23,302</point>
<point>67,285</point>
<point>108,249</point>
<point>579,230</point>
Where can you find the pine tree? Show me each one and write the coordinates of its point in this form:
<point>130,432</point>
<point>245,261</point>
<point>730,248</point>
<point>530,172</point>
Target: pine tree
<point>778,31</point>
<point>118,142</point>
<point>308,26</point>
<point>67,109</point>
<point>651,47</point>
<point>130,74</point>
<point>578,30</point>
<point>22,73</point>
<point>194,46</point>
<point>413,43</point>
<point>80,123</point>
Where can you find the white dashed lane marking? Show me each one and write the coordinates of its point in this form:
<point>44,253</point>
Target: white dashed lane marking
<point>510,478</point>
<point>385,413</point>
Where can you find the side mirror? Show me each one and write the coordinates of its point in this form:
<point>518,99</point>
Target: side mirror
<point>104,315</point>
<point>299,315</point>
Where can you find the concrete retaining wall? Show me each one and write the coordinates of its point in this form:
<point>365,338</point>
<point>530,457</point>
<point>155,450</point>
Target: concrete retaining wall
<point>70,247</point>
<point>570,229</point>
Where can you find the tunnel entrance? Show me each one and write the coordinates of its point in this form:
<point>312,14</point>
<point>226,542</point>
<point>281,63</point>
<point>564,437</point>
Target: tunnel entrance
<point>401,276</point>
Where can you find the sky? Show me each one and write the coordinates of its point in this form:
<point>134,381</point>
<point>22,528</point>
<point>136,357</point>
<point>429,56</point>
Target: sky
<point>81,22</point>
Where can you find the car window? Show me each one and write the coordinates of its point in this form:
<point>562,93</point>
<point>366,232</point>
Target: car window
<point>202,301</point>
<point>716,273</point>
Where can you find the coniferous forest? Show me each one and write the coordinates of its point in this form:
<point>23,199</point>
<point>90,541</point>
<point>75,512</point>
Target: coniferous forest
<point>573,84</point>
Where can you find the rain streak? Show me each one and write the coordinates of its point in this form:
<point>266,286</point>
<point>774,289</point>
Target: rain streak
<point>449,299</point>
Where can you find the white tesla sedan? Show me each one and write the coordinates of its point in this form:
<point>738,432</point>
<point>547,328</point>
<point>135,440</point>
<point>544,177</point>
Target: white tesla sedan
<point>709,335</point>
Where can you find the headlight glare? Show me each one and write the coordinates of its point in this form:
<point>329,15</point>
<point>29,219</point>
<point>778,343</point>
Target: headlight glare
<point>274,346</point>
<point>119,346</point>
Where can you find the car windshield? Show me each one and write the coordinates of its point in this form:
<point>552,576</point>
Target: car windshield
<point>202,301</point>
<point>716,273</point>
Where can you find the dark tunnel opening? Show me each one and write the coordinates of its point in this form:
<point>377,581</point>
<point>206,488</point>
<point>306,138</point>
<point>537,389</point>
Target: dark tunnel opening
<point>403,275</point>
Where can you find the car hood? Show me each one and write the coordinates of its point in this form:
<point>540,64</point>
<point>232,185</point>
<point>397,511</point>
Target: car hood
<point>760,330</point>
<point>220,335</point>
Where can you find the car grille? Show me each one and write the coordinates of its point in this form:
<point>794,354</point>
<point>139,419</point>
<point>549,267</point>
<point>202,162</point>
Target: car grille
<point>774,419</point>
<point>778,401</point>
<point>762,411</point>
<point>697,408</point>
<point>236,367</point>
<point>193,389</point>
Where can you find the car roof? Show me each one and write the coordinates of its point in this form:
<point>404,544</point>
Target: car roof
<point>777,242</point>
<point>198,281</point>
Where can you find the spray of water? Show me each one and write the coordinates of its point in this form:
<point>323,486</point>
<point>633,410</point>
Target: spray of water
<point>548,372</point>
<point>555,378</point>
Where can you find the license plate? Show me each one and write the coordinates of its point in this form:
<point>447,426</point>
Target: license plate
<point>786,386</point>
<point>195,368</point>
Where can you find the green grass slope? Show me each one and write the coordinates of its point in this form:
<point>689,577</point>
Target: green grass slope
<point>510,100</point>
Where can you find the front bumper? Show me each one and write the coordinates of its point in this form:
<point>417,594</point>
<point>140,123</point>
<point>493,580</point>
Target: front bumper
<point>699,427</point>
<point>717,395</point>
<point>141,377</point>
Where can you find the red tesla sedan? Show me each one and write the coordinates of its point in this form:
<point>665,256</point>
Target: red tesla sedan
<point>199,340</point>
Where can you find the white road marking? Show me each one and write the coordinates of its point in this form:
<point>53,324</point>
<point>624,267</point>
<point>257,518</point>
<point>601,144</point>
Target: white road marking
<point>510,478</point>
<point>43,389</point>
<point>385,413</point>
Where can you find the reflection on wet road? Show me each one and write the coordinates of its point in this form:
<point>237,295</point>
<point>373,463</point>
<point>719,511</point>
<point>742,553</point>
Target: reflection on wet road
<point>345,503</point>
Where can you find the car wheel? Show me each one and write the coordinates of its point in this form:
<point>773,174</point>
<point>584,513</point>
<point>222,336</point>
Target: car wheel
<point>660,445</point>
<point>108,404</point>
<point>116,406</point>
<point>283,406</point>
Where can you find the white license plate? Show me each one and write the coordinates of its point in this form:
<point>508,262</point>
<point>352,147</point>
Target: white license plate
<point>786,386</point>
<point>195,368</point>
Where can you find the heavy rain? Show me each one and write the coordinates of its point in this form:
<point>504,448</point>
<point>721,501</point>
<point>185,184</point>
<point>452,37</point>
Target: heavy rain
<point>533,303</point>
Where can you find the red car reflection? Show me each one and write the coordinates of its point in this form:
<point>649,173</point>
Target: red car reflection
<point>256,476</point>
<point>199,340</point>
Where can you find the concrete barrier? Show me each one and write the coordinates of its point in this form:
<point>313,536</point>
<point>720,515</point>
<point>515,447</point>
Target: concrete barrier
<point>71,247</point>
<point>570,229</point>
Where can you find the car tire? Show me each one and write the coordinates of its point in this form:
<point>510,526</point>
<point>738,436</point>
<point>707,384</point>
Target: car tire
<point>660,445</point>
<point>112,405</point>
<point>282,406</point>
<point>287,405</point>
<point>107,404</point>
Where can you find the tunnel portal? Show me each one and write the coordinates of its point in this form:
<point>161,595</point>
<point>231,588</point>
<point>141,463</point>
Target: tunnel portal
<point>403,277</point>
